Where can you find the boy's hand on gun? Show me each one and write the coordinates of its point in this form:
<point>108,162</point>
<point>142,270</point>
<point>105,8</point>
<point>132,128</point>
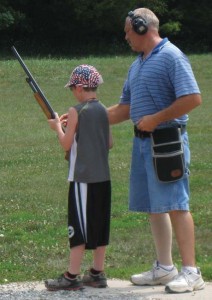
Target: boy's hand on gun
<point>55,123</point>
<point>58,123</point>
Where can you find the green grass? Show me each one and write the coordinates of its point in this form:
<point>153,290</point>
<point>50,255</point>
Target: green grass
<point>33,189</point>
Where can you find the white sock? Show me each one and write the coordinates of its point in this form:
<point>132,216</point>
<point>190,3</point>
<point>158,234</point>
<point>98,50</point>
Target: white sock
<point>191,269</point>
<point>167,268</point>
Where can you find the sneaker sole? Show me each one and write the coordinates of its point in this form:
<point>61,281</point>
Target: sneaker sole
<point>95,284</point>
<point>187,290</point>
<point>170,291</point>
<point>161,282</point>
<point>52,289</point>
<point>146,284</point>
<point>64,288</point>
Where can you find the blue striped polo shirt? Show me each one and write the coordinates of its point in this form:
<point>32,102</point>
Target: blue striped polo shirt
<point>157,81</point>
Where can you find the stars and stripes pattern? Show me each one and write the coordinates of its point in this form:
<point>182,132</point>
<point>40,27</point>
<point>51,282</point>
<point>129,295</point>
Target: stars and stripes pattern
<point>85,75</point>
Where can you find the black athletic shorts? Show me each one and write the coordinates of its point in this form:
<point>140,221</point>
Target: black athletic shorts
<point>89,210</point>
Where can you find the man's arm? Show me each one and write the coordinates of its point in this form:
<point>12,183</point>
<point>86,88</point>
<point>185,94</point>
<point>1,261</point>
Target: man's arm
<point>118,113</point>
<point>181,106</point>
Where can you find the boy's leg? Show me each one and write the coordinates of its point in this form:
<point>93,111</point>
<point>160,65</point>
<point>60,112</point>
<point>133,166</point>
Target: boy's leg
<point>99,258</point>
<point>69,280</point>
<point>76,256</point>
<point>95,277</point>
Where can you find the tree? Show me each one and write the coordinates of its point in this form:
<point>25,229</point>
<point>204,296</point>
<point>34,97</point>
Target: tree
<point>96,27</point>
<point>196,24</point>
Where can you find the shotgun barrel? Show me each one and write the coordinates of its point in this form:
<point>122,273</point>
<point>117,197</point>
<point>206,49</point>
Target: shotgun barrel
<point>38,94</point>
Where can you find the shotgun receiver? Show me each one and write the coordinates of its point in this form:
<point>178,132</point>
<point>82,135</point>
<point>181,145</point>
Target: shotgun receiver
<point>38,94</point>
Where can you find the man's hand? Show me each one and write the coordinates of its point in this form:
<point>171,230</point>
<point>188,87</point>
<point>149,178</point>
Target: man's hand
<point>178,108</point>
<point>147,123</point>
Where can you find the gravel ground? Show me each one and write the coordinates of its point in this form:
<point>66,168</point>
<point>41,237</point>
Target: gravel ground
<point>37,291</point>
<point>117,290</point>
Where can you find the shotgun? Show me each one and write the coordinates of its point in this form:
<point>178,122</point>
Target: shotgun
<point>38,94</point>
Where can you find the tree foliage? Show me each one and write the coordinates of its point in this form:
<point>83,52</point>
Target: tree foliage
<point>96,27</point>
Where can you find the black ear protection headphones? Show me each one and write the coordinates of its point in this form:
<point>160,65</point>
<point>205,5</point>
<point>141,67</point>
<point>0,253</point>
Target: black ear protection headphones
<point>138,23</point>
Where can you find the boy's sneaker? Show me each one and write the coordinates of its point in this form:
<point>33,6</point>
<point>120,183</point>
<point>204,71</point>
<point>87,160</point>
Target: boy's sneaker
<point>186,281</point>
<point>156,276</point>
<point>64,283</point>
<point>97,281</point>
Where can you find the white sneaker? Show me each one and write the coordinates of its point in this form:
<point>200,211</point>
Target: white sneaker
<point>155,276</point>
<point>186,281</point>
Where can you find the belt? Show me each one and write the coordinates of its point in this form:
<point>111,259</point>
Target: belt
<point>146,134</point>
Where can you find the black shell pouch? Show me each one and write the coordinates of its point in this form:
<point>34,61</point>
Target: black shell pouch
<point>167,153</point>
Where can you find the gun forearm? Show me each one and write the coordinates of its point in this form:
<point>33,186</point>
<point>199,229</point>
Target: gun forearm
<point>44,107</point>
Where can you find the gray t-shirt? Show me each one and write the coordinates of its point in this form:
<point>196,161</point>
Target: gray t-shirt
<point>89,152</point>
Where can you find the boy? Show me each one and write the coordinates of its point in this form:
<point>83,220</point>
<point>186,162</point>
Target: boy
<point>88,138</point>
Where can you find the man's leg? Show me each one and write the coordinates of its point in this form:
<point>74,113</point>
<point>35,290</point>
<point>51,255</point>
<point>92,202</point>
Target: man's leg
<point>190,278</point>
<point>162,234</point>
<point>183,225</point>
<point>163,270</point>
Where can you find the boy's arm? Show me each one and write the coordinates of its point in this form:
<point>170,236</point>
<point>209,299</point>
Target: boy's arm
<point>66,138</point>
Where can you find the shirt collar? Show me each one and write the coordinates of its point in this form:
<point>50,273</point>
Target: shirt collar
<point>157,48</point>
<point>160,45</point>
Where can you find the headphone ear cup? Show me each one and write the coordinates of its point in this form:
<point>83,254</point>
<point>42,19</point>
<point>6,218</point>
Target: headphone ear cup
<point>139,25</point>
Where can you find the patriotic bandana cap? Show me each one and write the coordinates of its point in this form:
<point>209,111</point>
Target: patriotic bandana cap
<point>85,75</point>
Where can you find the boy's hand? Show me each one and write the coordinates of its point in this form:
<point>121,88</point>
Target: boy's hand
<point>55,123</point>
<point>64,119</point>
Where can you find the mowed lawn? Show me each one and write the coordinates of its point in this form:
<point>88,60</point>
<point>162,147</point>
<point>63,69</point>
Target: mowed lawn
<point>34,187</point>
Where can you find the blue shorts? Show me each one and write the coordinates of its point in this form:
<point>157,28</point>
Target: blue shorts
<point>147,194</point>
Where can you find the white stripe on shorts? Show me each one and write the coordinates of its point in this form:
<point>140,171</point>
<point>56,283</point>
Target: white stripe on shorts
<point>81,202</point>
<point>73,157</point>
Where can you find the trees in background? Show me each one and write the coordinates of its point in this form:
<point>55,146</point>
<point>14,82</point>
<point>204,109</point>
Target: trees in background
<point>96,27</point>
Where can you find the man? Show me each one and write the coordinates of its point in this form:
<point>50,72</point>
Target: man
<point>159,92</point>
